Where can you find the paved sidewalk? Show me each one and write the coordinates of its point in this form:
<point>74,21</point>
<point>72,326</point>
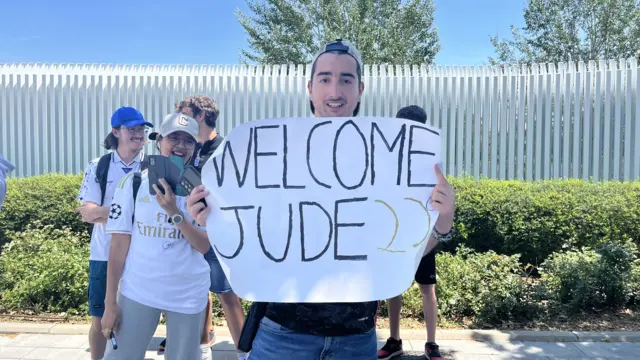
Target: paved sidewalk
<point>76,347</point>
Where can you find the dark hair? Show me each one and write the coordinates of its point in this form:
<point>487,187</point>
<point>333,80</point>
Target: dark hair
<point>413,112</point>
<point>198,104</point>
<point>358,72</point>
<point>110,142</point>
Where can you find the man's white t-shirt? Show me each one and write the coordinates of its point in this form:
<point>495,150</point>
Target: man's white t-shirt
<point>162,270</point>
<point>90,191</point>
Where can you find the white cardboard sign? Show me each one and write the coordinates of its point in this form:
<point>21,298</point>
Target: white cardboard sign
<point>322,209</point>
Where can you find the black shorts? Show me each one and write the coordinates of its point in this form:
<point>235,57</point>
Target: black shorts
<point>426,273</point>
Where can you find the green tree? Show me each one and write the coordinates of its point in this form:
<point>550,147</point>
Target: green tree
<point>385,31</point>
<point>564,30</point>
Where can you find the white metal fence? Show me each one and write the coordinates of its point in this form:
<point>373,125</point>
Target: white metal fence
<point>515,122</point>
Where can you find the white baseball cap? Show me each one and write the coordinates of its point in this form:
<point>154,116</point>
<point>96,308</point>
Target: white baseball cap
<point>176,122</point>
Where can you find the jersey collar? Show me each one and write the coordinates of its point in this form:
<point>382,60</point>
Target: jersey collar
<point>117,159</point>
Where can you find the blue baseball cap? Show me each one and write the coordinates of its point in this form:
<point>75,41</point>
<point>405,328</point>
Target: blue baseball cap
<point>128,116</point>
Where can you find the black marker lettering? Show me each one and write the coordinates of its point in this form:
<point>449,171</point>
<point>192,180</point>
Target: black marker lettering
<point>338,224</point>
<point>285,166</point>
<point>256,153</point>
<point>309,153</point>
<point>241,244</point>
<point>301,209</point>
<point>264,249</point>
<point>335,151</point>
<point>220,171</point>
<point>401,137</point>
<point>417,152</point>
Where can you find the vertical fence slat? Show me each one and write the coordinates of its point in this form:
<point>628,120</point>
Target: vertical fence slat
<point>4,111</point>
<point>597,123</point>
<point>586,126</point>
<point>628,130</point>
<point>539,140</point>
<point>636,138</point>
<point>454,108</point>
<point>494,125</point>
<point>530,126</point>
<point>617,143</point>
<point>548,139</point>
<point>557,120</point>
<point>469,120</point>
<point>503,160</point>
<point>511,123</point>
<point>606,153</point>
<point>477,120</point>
<point>566,121</point>
<point>521,124</point>
<point>577,120</point>
<point>486,121</point>
<point>446,100</point>
<point>460,125</point>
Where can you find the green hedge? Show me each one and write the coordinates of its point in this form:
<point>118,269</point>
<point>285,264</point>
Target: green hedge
<point>46,270</point>
<point>49,199</point>
<point>600,279</point>
<point>536,219</point>
<point>584,234</point>
<point>532,219</point>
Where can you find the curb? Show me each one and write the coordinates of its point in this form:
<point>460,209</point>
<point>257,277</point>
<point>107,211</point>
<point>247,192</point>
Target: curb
<point>382,334</point>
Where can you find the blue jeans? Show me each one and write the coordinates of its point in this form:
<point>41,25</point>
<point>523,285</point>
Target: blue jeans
<point>219,283</point>
<point>277,342</point>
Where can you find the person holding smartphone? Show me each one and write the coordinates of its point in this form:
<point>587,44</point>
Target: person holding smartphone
<point>206,112</point>
<point>156,258</point>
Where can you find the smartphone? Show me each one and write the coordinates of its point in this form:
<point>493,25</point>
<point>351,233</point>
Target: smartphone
<point>190,179</point>
<point>161,167</point>
<point>178,161</point>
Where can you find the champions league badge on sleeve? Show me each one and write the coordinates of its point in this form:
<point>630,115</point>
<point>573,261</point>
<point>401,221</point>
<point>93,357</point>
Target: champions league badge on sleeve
<point>115,211</point>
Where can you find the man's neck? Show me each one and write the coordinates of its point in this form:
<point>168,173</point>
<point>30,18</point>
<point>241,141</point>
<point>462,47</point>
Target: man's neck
<point>206,133</point>
<point>127,156</point>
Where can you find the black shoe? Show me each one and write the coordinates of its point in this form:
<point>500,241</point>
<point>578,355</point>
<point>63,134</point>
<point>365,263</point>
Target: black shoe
<point>390,349</point>
<point>163,344</point>
<point>432,351</point>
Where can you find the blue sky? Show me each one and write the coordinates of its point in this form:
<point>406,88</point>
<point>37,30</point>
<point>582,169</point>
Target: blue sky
<point>200,32</point>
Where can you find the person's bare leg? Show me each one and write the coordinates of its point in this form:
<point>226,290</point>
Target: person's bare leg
<point>97,341</point>
<point>233,313</point>
<point>208,325</point>
<point>430,304</point>
<point>395,306</point>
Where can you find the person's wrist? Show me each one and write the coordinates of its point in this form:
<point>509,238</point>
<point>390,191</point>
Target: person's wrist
<point>173,211</point>
<point>444,223</point>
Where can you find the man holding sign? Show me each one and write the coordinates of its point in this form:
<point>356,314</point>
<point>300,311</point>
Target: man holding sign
<point>302,321</point>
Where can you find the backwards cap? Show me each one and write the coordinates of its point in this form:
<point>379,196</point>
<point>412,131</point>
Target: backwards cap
<point>341,46</point>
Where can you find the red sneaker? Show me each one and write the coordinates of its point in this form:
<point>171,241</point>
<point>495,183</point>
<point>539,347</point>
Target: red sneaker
<point>391,348</point>
<point>432,351</point>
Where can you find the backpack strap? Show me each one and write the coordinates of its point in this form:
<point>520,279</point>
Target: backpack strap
<point>102,172</point>
<point>137,179</point>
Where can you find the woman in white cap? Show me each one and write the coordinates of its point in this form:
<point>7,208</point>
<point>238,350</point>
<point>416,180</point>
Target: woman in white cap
<point>156,258</point>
